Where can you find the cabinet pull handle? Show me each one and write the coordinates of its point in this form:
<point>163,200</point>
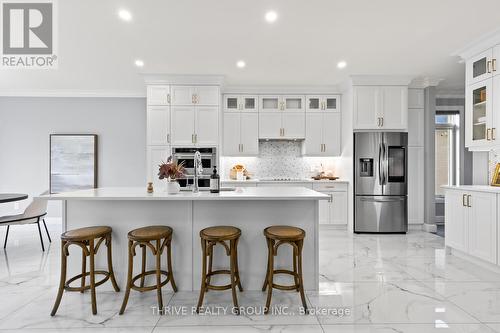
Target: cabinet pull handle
<point>192,138</point>
<point>195,138</point>
<point>283,132</point>
<point>488,66</point>
<point>463,200</point>
<point>488,131</point>
<point>382,120</point>
<point>494,65</point>
<point>493,137</point>
<point>468,201</point>
<point>378,121</point>
<point>168,138</point>
<point>168,98</point>
<point>242,148</point>
<point>331,198</point>
<point>324,147</point>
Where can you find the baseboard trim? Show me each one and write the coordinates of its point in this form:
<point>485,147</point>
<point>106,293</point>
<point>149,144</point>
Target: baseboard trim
<point>429,227</point>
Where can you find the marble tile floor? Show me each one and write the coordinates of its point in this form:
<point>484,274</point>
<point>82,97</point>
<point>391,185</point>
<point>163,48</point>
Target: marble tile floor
<point>368,283</point>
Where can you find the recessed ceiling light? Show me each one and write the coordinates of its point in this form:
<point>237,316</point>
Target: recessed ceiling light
<point>139,63</point>
<point>341,64</point>
<point>125,15</point>
<point>240,64</point>
<point>271,16</point>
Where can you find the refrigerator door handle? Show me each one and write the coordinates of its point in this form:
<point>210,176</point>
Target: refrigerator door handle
<point>386,163</point>
<point>383,200</point>
<point>380,181</point>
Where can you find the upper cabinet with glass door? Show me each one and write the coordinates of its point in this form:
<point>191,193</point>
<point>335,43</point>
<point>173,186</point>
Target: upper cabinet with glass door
<point>289,103</point>
<point>481,67</point>
<point>317,103</point>
<point>479,118</point>
<point>244,103</point>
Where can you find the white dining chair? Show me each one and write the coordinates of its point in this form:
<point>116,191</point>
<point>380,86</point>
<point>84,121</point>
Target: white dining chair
<point>33,214</point>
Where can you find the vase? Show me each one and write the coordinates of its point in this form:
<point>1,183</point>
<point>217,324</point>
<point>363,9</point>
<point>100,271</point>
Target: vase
<point>172,187</point>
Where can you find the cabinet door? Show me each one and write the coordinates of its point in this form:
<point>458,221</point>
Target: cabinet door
<point>495,110</point>
<point>314,103</point>
<point>158,125</point>
<point>415,127</point>
<point>156,155</point>
<point>331,134</point>
<point>495,62</point>
<point>249,133</point>
<point>479,67</point>
<point>182,95</point>
<point>478,114</point>
<point>338,212</point>
<point>482,226</point>
<point>231,103</point>
<point>294,125</point>
<point>158,95</point>
<point>207,95</point>
<point>231,135</point>
<point>293,103</point>
<point>395,108</point>
<point>182,125</point>
<point>207,125</point>
<point>249,103</point>
<point>367,107</point>
<point>415,185</point>
<point>331,103</point>
<point>313,144</point>
<point>270,103</point>
<point>456,220</point>
<point>324,211</point>
<point>270,125</point>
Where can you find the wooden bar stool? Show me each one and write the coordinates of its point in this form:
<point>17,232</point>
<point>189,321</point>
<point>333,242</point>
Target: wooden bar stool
<point>144,237</point>
<point>89,239</point>
<point>275,237</point>
<point>209,238</point>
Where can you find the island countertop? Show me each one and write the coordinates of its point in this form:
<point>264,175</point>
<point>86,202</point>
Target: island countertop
<point>139,193</point>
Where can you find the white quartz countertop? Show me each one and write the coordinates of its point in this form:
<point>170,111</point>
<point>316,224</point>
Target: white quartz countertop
<point>295,181</point>
<point>477,188</point>
<point>139,193</point>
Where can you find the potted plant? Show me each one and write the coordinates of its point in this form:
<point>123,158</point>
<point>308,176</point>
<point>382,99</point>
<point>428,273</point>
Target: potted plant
<point>171,171</point>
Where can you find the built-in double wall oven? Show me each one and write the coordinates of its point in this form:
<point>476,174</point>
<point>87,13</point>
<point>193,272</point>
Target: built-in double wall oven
<point>208,161</point>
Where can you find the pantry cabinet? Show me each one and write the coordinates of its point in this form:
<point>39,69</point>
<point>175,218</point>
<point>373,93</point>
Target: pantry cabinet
<point>195,125</point>
<point>323,134</point>
<point>158,95</point>
<point>241,131</point>
<point>380,108</point>
<point>195,95</point>
<point>471,221</point>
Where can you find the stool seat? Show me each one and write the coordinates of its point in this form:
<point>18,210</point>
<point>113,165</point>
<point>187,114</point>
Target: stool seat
<point>284,232</point>
<point>86,233</point>
<point>219,233</point>
<point>150,233</point>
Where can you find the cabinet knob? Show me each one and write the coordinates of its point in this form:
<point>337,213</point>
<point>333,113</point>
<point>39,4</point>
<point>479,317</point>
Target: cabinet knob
<point>464,197</point>
<point>494,65</point>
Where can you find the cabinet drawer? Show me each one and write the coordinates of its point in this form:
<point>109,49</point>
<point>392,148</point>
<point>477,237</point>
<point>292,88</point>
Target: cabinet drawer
<point>330,187</point>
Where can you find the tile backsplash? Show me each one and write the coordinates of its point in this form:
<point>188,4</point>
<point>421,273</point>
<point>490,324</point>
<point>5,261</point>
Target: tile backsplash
<point>279,159</point>
<point>493,159</point>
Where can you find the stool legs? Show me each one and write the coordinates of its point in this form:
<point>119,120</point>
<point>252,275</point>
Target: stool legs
<point>143,268</point>
<point>169,266</point>
<point>84,271</point>
<point>129,277</point>
<point>270,273</point>
<point>110,264</point>
<point>237,272</point>
<point>92,277</point>
<point>234,278</point>
<point>301,282</point>
<point>62,280</point>
<point>203,274</point>
<point>158,275</point>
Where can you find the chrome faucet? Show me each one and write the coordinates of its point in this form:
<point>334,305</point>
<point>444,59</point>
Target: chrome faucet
<point>198,170</point>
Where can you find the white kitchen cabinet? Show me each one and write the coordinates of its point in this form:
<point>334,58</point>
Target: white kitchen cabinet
<point>158,95</point>
<point>183,125</point>
<point>268,103</point>
<point>338,212</point>
<point>281,125</point>
<point>195,95</point>
<point>241,131</point>
<point>206,125</point>
<point>479,67</point>
<point>245,103</point>
<point>156,155</point>
<point>456,220</point>
<point>323,134</point>
<point>380,108</point>
<point>270,125</point>
<point>479,114</point>
<point>158,125</point>
<point>482,225</point>
<point>293,124</point>
<point>316,103</point>
<point>471,220</point>
<point>334,210</point>
<point>415,185</point>
<point>286,103</point>
<point>324,211</point>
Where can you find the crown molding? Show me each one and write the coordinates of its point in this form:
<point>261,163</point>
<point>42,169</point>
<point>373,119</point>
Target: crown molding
<point>424,82</point>
<point>482,43</point>
<point>270,89</point>
<point>71,93</point>
<point>381,80</point>
<point>184,79</point>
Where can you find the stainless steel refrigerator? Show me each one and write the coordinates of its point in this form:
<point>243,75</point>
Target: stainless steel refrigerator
<point>380,182</point>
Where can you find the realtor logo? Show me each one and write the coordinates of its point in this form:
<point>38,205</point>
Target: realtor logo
<point>28,34</point>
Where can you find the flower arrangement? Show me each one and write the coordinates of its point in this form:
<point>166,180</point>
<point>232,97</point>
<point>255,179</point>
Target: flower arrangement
<point>171,170</point>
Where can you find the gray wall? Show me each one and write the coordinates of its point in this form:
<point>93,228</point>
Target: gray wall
<point>25,125</point>
<point>429,155</point>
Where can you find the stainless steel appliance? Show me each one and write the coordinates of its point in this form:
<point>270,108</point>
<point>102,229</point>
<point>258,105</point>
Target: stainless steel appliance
<point>380,182</point>
<point>208,161</point>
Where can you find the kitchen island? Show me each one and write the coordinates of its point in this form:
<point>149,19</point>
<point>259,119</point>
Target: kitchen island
<point>250,209</point>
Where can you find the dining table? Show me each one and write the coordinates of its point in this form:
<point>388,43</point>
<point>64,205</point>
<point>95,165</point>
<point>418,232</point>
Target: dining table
<point>10,197</point>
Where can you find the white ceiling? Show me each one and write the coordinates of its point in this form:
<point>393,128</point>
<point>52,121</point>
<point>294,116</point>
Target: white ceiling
<point>97,50</point>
